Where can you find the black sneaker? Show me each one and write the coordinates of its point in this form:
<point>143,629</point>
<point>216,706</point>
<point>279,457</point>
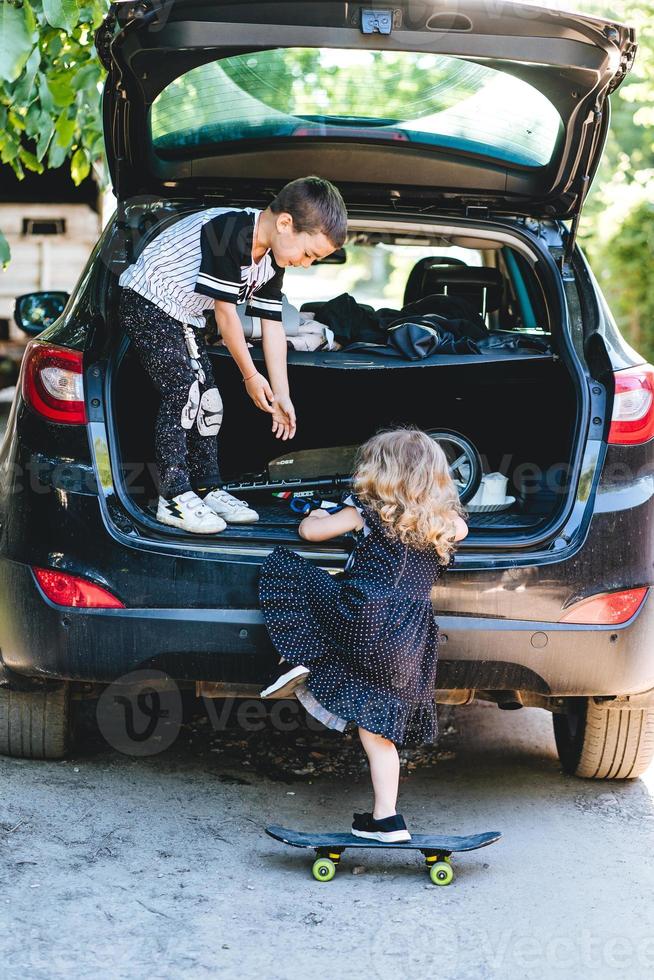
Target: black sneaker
<point>389,830</point>
<point>284,679</point>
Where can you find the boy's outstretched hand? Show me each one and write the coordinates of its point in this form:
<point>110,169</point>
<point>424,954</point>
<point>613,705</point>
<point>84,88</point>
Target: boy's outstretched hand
<point>283,426</point>
<point>280,407</point>
<point>260,392</point>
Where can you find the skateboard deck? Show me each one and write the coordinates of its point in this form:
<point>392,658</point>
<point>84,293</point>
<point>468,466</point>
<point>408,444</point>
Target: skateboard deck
<point>436,849</point>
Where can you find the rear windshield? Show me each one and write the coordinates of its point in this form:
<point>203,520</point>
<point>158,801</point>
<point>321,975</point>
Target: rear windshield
<point>402,96</point>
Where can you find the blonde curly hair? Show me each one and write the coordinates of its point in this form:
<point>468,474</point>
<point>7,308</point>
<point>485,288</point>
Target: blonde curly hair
<point>404,476</point>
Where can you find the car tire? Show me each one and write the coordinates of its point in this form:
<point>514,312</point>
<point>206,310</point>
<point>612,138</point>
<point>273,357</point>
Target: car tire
<point>36,724</point>
<point>598,742</point>
<point>458,448</point>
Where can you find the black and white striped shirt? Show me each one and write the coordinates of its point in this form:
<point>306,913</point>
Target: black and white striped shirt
<point>203,257</point>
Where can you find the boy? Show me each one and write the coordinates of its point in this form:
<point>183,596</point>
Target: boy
<point>220,257</point>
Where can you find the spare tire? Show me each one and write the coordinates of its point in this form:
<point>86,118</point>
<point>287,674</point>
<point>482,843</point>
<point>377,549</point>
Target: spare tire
<point>463,459</point>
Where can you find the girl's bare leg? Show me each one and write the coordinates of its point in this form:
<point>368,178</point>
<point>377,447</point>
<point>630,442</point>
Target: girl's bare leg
<point>384,771</point>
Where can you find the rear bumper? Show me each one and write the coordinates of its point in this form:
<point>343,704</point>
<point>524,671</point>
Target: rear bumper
<point>40,639</point>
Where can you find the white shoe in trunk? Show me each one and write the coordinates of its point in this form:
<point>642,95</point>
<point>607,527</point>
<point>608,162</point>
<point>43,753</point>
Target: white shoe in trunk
<point>230,508</point>
<point>188,512</point>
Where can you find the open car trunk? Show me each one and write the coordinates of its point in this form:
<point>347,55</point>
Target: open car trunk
<point>519,410</point>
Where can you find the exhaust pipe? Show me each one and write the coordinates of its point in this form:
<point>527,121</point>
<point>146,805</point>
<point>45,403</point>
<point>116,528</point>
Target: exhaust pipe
<point>509,700</point>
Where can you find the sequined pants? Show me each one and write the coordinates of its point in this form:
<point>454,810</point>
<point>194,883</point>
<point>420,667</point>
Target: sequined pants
<point>174,356</point>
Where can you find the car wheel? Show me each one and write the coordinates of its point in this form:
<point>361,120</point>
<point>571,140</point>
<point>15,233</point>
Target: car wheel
<point>598,742</point>
<point>36,724</point>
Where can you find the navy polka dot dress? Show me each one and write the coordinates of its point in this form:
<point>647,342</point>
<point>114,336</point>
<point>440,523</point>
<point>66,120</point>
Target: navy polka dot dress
<point>369,637</point>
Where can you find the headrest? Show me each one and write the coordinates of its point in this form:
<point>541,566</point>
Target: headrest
<point>468,282</point>
<point>416,283</point>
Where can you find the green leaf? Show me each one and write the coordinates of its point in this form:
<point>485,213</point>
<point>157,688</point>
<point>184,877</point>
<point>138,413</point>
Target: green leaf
<point>88,75</point>
<point>96,148</point>
<point>53,44</point>
<point>65,129</point>
<point>9,154</point>
<point>56,155</point>
<point>80,165</point>
<point>47,102</point>
<point>61,88</point>
<point>8,147</point>
<point>30,160</point>
<point>61,13</point>
<point>16,121</point>
<point>92,12</point>
<point>47,129</point>
<point>33,120</point>
<point>17,36</point>
<point>5,251</point>
<point>25,90</point>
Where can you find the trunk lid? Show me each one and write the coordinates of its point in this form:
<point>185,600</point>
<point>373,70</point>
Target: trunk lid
<point>467,106</point>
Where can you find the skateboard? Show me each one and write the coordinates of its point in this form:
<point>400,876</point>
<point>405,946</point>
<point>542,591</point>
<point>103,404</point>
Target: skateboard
<point>435,848</point>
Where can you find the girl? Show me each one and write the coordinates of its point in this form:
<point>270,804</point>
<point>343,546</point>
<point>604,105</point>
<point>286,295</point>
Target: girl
<point>363,648</point>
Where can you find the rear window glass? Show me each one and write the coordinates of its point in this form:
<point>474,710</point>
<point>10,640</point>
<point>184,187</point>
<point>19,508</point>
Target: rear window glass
<point>401,96</point>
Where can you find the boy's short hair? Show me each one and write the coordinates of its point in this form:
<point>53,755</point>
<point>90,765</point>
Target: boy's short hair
<point>315,205</point>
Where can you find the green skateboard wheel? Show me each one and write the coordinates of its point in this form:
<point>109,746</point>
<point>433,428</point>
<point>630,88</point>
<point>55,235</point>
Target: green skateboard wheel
<point>323,869</point>
<point>441,873</point>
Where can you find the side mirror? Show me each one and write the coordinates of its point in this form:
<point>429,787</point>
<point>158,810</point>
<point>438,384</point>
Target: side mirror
<point>34,312</point>
<point>338,257</point>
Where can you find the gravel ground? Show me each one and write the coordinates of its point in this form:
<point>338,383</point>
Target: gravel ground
<point>122,866</point>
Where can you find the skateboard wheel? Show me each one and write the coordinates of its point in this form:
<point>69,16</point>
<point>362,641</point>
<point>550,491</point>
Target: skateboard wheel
<point>323,869</point>
<point>441,873</point>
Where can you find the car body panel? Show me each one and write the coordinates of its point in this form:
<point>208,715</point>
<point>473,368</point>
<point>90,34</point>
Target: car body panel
<point>232,646</point>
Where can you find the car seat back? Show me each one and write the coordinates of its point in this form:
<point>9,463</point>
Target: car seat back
<point>417,285</point>
<point>482,286</point>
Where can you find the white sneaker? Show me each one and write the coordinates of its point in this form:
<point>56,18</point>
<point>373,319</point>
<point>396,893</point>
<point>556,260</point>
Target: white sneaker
<point>283,679</point>
<point>190,513</point>
<point>231,509</point>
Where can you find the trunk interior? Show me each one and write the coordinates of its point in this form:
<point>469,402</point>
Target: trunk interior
<point>517,410</point>
<point>517,405</point>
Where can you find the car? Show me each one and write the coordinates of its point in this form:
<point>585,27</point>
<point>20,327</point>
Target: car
<point>503,120</point>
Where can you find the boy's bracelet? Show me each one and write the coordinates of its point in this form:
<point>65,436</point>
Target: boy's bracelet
<point>249,378</point>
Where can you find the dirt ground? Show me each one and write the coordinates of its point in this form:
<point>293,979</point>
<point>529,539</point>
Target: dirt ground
<point>124,866</point>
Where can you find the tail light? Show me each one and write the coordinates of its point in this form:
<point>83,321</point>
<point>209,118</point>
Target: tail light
<point>606,608</point>
<point>52,382</point>
<point>71,590</point>
<point>632,421</point>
